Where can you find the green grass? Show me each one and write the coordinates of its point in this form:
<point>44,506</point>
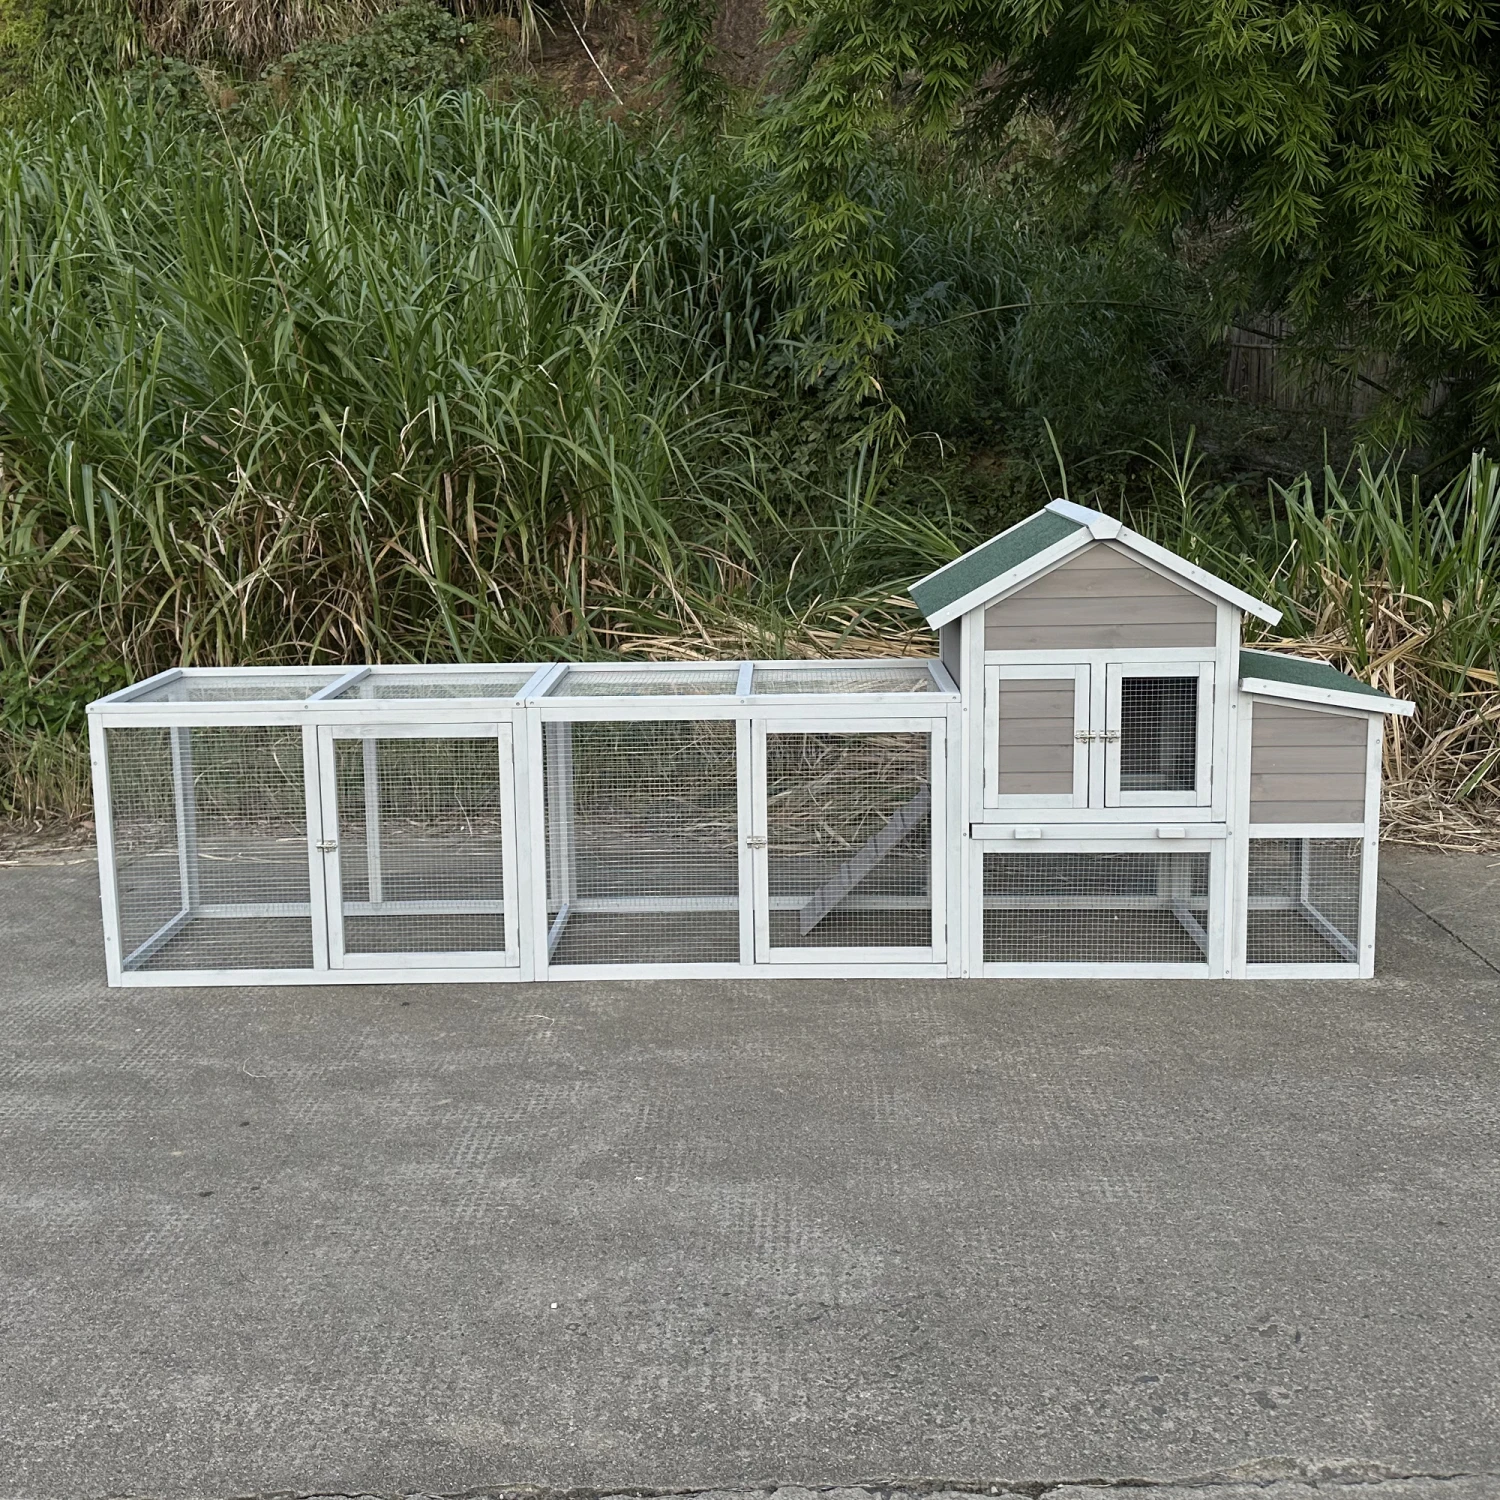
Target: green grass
<point>447,380</point>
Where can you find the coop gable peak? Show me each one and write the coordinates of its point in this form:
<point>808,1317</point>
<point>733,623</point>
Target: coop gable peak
<point>1040,543</point>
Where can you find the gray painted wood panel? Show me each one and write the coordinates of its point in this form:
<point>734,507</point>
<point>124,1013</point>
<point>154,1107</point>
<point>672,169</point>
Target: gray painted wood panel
<point>1035,728</point>
<point>1306,767</point>
<point>1100,598</point>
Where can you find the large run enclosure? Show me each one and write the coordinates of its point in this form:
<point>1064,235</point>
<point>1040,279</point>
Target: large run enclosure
<point>523,822</point>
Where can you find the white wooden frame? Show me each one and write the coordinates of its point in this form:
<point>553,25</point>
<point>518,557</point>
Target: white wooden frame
<point>330,868</point>
<point>1367,831</point>
<point>967,819</point>
<point>755,841</point>
<point>996,672</point>
<point>1115,673</point>
<point>1212,940</point>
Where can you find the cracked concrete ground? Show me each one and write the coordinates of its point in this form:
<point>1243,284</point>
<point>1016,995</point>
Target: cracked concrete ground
<point>987,1236</point>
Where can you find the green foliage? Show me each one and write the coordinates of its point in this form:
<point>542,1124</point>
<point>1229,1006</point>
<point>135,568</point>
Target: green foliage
<point>684,38</point>
<point>45,42</point>
<point>407,51</point>
<point>1343,156</point>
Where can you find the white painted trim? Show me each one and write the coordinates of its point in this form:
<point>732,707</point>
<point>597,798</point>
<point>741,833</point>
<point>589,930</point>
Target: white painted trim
<point>1205,580</point>
<point>337,686</point>
<point>1094,527</point>
<point>994,674</point>
<point>1306,831</point>
<point>1202,795</point>
<point>1089,835</point>
<point>136,689</point>
<point>1040,562</point>
<point>241,978</point>
<point>1096,971</point>
<point>1326,697</point>
<point>1369,871</point>
<point>1304,971</point>
<point>104,837</point>
<point>850,970</point>
<point>1101,527</point>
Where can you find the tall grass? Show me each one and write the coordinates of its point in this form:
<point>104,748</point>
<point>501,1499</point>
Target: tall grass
<point>443,380</point>
<point>1399,586</point>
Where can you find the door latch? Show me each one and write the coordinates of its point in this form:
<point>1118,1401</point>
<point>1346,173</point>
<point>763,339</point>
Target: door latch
<point>755,841</point>
<point>327,846</point>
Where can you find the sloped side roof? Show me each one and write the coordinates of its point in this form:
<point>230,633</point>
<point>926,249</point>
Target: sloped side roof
<point>998,555</point>
<point>1302,671</point>
<point>1306,678</point>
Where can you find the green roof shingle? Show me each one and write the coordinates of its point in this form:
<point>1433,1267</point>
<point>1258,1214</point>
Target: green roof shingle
<point>1302,671</point>
<point>977,568</point>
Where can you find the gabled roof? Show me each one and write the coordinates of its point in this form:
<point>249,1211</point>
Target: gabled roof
<point>1304,680</point>
<point>1041,542</point>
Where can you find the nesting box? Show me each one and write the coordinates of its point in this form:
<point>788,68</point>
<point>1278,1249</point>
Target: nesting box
<point>1092,778</point>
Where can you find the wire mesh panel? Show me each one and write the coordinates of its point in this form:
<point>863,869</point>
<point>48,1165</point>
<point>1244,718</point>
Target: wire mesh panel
<point>1158,734</point>
<point>872,677</point>
<point>251,686</point>
<point>1110,907</point>
<point>849,840</point>
<point>1304,899</point>
<point>650,682</point>
<point>642,825</point>
<point>210,837</point>
<point>381,686</point>
<point>421,843</point>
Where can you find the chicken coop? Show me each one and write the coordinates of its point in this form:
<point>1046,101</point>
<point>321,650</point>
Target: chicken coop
<point>1091,777</point>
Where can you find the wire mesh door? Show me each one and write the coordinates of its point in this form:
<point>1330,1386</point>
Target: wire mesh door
<point>418,846</point>
<point>1158,736</point>
<point>843,845</point>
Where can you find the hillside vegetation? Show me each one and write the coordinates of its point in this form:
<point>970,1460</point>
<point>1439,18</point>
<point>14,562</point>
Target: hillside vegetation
<point>368,358</point>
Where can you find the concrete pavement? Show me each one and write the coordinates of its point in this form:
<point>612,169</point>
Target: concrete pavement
<point>681,1235</point>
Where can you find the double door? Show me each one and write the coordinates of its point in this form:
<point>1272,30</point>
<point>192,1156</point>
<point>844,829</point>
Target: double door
<point>1099,735</point>
<point>417,846</point>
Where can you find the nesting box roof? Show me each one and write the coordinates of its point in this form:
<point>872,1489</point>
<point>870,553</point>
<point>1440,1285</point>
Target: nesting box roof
<point>1299,678</point>
<point>1041,542</point>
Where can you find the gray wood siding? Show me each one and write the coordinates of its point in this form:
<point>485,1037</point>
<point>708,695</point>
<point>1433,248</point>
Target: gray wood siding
<point>1306,767</point>
<point>1100,598</point>
<point>1036,736</point>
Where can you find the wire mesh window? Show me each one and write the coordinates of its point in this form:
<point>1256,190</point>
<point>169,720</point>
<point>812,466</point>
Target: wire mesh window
<point>642,823</point>
<point>1158,734</point>
<point>849,840</point>
<point>211,856</point>
<point>877,677</point>
<point>1115,907</point>
<point>664,682</point>
<point>421,854</point>
<point>1304,899</point>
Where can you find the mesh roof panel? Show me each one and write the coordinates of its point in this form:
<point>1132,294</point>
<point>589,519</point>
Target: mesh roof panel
<point>877,677</point>
<point>437,685</point>
<point>647,682</point>
<point>255,686</point>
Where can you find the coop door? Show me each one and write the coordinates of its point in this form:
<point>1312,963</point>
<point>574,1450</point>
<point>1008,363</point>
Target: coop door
<point>1036,736</point>
<point>418,846</point>
<point>843,843</point>
<point>1158,741</point>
